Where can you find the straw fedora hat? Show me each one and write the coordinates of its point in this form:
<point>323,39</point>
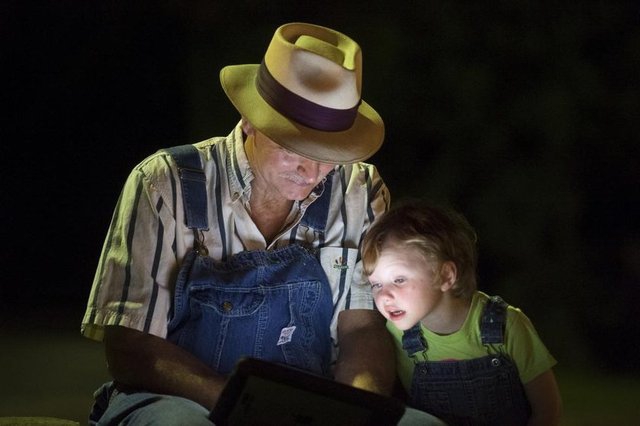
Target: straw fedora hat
<point>306,95</point>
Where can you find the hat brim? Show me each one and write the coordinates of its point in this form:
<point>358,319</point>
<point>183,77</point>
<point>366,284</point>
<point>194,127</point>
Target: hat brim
<point>357,143</point>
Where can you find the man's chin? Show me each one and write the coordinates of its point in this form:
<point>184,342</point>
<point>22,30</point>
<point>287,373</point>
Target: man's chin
<point>297,195</point>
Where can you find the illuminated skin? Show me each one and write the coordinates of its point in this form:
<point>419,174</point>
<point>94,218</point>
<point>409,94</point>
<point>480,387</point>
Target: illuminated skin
<point>409,288</point>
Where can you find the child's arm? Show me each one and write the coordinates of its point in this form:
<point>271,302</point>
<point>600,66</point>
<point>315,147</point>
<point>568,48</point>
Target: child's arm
<point>544,397</point>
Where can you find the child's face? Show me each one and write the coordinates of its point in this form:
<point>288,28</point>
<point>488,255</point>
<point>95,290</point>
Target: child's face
<point>405,285</point>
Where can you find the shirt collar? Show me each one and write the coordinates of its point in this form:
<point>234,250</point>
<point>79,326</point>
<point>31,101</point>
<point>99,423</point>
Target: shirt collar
<point>237,163</point>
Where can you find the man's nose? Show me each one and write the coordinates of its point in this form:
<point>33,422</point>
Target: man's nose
<point>309,170</point>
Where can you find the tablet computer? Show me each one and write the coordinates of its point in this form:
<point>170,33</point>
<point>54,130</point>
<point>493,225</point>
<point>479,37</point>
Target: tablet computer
<point>260,392</point>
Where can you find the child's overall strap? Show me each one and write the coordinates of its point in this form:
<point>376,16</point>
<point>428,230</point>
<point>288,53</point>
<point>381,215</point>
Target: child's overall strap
<point>193,182</point>
<point>414,343</point>
<point>492,323</point>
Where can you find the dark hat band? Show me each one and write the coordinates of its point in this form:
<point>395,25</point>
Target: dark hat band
<point>301,110</point>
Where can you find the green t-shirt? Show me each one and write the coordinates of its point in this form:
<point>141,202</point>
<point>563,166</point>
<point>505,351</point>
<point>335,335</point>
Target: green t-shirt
<point>522,344</point>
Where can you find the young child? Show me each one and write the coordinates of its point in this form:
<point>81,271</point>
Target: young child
<point>463,356</point>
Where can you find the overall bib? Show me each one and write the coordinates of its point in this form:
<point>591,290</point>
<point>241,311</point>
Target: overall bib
<point>480,391</point>
<point>275,305</point>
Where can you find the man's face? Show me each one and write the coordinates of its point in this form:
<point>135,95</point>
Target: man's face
<point>281,171</point>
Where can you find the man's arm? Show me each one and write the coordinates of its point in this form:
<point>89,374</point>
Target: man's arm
<point>366,358</point>
<point>143,361</point>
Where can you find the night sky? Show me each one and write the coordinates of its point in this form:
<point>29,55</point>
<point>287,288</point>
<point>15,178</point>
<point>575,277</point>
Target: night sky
<point>523,116</point>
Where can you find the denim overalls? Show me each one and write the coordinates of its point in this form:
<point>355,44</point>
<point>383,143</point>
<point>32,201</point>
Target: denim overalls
<point>480,391</point>
<point>275,305</point>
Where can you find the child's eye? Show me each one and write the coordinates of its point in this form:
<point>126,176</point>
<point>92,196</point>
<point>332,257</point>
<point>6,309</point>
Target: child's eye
<point>399,280</point>
<point>375,286</point>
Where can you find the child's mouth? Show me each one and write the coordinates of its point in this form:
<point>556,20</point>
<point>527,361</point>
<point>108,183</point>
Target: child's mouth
<point>396,314</point>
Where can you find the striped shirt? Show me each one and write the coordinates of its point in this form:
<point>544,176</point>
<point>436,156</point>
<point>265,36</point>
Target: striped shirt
<point>148,239</point>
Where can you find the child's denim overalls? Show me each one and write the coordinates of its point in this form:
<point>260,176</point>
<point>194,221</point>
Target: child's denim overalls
<point>480,391</point>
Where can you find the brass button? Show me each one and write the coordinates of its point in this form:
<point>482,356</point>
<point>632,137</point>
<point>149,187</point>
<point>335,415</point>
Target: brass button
<point>227,306</point>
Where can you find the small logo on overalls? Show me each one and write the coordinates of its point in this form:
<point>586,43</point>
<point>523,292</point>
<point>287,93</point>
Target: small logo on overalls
<point>285,335</point>
<point>339,263</point>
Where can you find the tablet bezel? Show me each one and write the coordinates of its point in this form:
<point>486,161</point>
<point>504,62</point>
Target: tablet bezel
<point>263,384</point>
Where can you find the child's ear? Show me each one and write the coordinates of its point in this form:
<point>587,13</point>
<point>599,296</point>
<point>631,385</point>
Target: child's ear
<point>449,275</point>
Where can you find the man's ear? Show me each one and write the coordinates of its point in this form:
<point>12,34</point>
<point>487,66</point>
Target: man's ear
<point>247,128</point>
<point>448,274</point>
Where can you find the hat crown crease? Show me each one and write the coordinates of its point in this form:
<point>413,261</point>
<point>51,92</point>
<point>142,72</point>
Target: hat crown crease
<point>322,48</point>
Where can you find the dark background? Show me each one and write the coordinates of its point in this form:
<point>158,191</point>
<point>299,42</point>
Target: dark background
<point>522,114</point>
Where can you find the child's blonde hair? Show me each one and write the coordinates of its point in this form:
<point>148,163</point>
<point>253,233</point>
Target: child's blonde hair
<point>439,233</point>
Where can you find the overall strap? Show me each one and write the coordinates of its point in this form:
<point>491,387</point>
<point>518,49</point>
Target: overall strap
<point>316,215</point>
<point>492,323</point>
<point>413,342</point>
<point>193,182</point>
